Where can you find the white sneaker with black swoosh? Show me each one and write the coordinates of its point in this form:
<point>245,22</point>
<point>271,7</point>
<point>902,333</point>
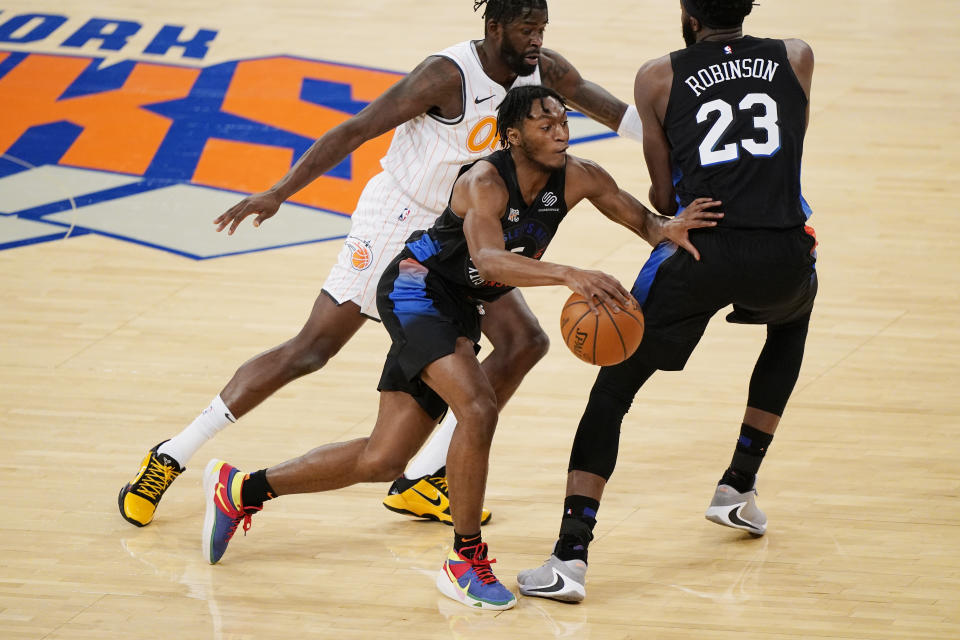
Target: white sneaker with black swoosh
<point>738,510</point>
<point>555,579</point>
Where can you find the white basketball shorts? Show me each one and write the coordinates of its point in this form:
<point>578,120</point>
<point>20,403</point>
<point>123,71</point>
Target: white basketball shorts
<point>384,218</point>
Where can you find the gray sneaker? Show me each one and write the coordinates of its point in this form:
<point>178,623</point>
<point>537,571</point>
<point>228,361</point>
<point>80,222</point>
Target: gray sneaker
<point>556,579</point>
<point>731,508</point>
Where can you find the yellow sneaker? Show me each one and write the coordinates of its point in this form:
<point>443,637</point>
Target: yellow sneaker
<point>425,497</point>
<point>139,498</point>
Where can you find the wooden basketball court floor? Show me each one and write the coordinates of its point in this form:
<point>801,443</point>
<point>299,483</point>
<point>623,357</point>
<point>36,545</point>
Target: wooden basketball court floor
<point>107,347</point>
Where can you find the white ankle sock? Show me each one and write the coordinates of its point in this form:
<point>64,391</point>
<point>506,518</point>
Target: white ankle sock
<point>182,446</point>
<point>433,455</point>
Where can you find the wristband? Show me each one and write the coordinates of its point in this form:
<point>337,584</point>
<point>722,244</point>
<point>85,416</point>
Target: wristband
<point>630,125</point>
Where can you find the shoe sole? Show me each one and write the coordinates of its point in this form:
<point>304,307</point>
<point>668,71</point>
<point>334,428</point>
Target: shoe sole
<point>123,513</point>
<point>571,596</point>
<point>446,588</point>
<point>720,515</point>
<point>210,515</point>
<point>429,516</point>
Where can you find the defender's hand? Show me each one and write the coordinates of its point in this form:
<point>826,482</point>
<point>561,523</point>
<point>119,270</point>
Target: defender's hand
<point>264,204</point>
<point>596,287</point>
<point>695,216</point>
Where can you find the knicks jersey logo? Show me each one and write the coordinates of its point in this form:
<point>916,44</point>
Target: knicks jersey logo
<point>361,257</point>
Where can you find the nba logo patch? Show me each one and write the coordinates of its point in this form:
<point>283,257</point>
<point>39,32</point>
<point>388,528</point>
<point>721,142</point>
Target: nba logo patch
<point>360,255</point>
<point>514,215</point>
<point>404,214</point>
<point>728,50</point>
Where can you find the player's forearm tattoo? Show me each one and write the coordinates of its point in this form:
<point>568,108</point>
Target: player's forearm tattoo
<point>599,104</point>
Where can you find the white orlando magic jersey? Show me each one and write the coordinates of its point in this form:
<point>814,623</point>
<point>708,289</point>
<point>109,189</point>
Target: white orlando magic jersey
<point>428,151</point>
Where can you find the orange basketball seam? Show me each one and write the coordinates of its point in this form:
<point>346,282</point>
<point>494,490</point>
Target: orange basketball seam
<point>623,345</point>
<point>596,330</point>
<point>566,338</point>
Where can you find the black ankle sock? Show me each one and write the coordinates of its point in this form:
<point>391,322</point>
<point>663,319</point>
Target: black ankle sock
<point>256,490</point>
<point>466,545</point>
<point>576,528</point>
<point>752,445</point>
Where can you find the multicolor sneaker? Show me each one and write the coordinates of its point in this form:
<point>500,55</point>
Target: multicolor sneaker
<point>225,511</point>
<point>470,581</point>
<point>424,497</point>
<point>738,510</point>
<point>139,498</point>
<point>555,579</point>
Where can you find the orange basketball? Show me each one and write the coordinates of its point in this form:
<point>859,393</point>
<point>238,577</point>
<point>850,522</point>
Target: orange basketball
<point>605,339</point>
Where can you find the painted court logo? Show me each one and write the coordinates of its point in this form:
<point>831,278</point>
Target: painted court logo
<point>138,144</point>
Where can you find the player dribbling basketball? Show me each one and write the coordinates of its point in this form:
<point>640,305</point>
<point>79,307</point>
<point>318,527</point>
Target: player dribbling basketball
<point>502,214</point>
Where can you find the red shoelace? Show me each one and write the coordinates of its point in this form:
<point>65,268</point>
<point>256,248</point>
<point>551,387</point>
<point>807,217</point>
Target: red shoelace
<point>480,562</point>
<point>246,519</point>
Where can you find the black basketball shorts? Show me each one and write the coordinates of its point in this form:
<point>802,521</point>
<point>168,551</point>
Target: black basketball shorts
<point>769,276</point>
<point>424,318</point>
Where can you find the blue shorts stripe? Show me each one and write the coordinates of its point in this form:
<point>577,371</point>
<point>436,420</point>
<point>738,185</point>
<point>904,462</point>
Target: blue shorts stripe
<point>424,247</point>
<point>409,295</point>
<point>641,288</point>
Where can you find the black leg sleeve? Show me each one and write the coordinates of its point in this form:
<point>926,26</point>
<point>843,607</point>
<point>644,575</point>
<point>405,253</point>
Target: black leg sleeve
<point>778,366</point>
<point>598,435</point>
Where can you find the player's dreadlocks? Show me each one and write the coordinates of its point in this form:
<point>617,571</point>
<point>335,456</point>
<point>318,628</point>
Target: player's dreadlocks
<point>506,11</point>
<point>719,14</point>
<point>516,106</point>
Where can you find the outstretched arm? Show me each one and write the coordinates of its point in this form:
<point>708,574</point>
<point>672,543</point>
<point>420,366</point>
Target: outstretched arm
<point>586,179</point>
<point>429,85</point>
<point>588,97</point>
<point>482,197</point>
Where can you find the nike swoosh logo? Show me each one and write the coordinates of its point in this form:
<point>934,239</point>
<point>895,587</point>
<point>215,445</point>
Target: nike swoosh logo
<point>227,416</point>
<point>734,517</point>
<point>434,501</point>
<point>223,502</point>
<point>556,586</point>
<point>478,100</point>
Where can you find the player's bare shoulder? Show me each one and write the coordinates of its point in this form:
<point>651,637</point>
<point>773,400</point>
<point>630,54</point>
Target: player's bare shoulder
<point>800,55</point>
<point>557,73</point>
<point>799,50</point>
<point>436,83</point>
<point>654,74</point>
<point>585,179</point>
<point>481,183</point>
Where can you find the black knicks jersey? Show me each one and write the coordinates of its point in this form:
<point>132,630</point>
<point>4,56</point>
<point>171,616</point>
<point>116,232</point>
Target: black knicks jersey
<point>735,121</point>
<point>527,230</point>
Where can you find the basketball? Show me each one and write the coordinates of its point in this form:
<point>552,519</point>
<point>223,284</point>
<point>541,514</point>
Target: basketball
<point>605,339</point>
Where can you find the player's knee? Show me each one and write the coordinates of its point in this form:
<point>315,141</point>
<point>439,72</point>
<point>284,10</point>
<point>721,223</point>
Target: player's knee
<point>479,415</point>
<point>304,356</point>
<point>527,345</point>
<point>609,401</point>
<point>381,465</point>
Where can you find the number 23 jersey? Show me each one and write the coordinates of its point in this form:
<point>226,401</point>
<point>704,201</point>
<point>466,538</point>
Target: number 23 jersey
<point>735,122</point>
